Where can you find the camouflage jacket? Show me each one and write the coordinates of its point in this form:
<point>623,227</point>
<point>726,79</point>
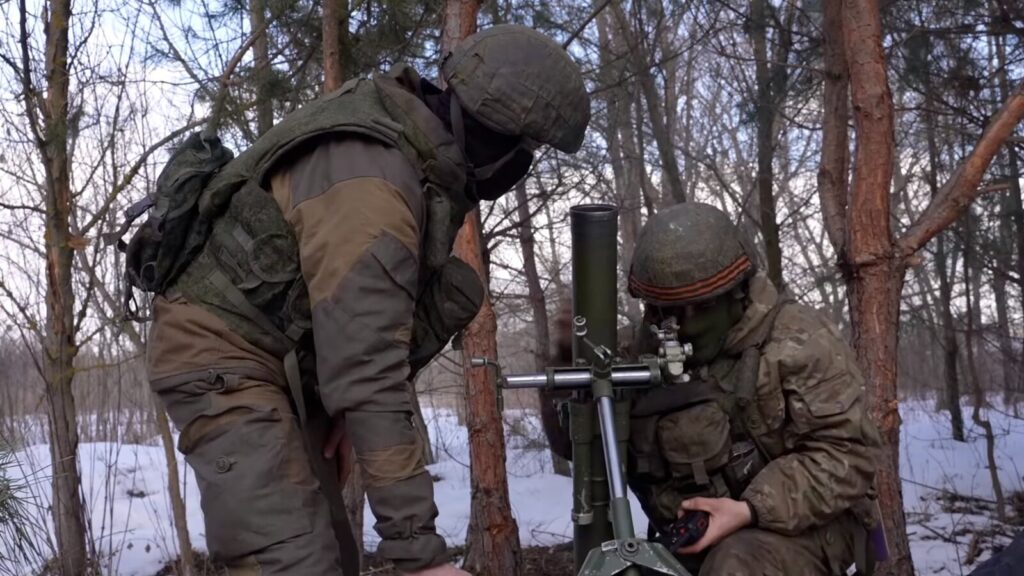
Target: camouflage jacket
<point>778,420</point>
<point>339,246</point>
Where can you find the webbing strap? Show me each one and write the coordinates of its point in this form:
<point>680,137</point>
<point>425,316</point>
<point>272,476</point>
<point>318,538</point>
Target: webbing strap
<point>861,552</point>
<point>251,313</point>
<point>294,378</point>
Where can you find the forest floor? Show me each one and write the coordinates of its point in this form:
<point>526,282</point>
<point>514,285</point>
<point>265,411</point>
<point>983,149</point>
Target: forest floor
<point>537,561</point>
<point>947,490</point>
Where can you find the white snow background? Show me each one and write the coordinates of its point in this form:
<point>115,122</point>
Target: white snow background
<point>125,487</point>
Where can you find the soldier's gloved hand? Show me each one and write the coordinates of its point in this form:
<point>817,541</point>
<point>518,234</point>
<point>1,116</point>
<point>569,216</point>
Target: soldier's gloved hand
<point>442,570</point>
<point>727,516</point>
<point>338,443</point>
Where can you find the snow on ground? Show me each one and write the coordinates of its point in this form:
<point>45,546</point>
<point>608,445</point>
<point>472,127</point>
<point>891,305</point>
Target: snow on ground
<point>125,488</point>
<point>930,459</point>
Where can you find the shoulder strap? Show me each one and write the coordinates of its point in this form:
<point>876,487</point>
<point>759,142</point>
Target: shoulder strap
<point>744,375</point>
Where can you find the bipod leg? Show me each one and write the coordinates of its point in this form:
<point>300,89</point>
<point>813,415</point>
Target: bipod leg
<point>626,554</point>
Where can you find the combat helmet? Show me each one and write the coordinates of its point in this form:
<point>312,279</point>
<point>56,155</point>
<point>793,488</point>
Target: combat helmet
<point>689,253</point>
<point>517,81</point>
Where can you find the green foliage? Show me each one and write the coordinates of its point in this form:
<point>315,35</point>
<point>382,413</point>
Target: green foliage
<point>16,542</point>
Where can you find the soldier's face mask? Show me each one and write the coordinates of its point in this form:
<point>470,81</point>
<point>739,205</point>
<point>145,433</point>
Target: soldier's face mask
<point>497,178</point>
<point>496,162</point>
<point>705,325</point>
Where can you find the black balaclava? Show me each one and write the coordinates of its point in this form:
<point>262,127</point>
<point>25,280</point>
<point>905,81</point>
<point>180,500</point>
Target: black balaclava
<point>496,162</point>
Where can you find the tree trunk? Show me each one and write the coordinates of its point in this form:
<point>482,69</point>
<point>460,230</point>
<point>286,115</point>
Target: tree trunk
<point>60,346</point>
<point>492,539</point>
<point>261,67</point>
<point>765,103</point>
<point>640,55</point>
<point>335,36</point>
<point>876,278</point>
<point>950,349</point>
<point>972,279</point>
<point>949,344</point>
<point>833,173</point>
<point>874,311</point>
<point>538,303</point>
<point>626,161</point>
<point>185,562</point>
<point>1012,361</point>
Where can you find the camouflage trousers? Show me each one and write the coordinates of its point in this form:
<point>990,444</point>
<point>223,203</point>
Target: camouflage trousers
<point>823,551</point>
<point>262,481</point>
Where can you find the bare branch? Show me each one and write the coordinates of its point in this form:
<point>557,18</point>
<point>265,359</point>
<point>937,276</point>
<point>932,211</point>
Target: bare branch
<point>962,187</point>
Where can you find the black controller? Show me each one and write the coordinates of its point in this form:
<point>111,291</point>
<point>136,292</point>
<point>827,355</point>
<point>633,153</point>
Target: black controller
<point>685,531</point>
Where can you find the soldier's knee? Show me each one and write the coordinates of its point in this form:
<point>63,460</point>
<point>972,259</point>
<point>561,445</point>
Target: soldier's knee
<point>745,553</point>
<point>256,485</point>
<point>255,489</point>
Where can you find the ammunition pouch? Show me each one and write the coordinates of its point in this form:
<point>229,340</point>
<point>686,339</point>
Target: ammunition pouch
<point>449,301</point>
<point>688,452</point>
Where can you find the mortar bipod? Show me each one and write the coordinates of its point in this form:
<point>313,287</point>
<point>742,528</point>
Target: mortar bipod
<point>625,554</point>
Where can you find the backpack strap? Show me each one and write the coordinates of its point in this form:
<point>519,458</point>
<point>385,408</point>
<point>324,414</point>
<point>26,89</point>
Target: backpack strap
<point>287,340</point>
<point>744,378</point>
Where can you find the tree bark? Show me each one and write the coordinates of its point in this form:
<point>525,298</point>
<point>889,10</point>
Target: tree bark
<point>335,35</point>
<point>833,174</point>
<point>972,280</point>
<point>1012,361</point>
<point>261,66</point>
<point>640,56</point>
<point>61,347</point>
<point>766,103</point>
<point>492,539</point>
<point>538,303</point>
<point>185,562</point>
<point>876,277</point>
<point>950,349</point>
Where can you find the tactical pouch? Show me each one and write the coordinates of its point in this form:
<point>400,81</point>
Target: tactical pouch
<point>745,461</point>
<point>695,442</point>
<point>173,233</point>
<point>248,272</point>
<point>448,302</point>
<point>645,458</point>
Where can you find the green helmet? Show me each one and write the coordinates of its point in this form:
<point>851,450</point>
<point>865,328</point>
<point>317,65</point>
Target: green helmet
<point>689,253</point>
<point>515,80</point>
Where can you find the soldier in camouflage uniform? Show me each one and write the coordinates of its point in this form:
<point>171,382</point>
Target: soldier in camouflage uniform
<point>332,261</point>
<point>771,437</point>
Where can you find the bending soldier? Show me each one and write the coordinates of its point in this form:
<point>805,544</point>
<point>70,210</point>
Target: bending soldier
<point>295,328</point>
<point>771,436</point>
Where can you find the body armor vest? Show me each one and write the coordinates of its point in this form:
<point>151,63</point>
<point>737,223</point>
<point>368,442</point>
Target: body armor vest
<point>701,438</point>
<point>248,270</point>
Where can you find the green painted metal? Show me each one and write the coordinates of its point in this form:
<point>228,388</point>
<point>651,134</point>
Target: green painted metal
<point>625,556</point>
<point>604,543</point>
<point>594,229</point>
